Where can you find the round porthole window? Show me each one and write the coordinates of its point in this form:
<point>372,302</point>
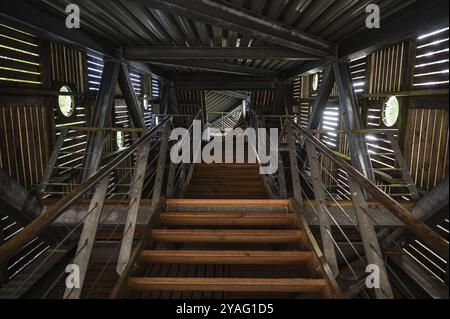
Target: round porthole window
<point>391,111</point>
<point>66,101</point>
<point>120,140</point>
<point>315,82</point>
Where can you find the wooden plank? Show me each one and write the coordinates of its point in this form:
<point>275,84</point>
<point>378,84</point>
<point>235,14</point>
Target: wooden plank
<point>227,219</point>
<point>300,285</point>
<point>226,257</point>
<point>227,236</point>
<point>87,238</point>
<point>324,218</point>
<point>227,202</point>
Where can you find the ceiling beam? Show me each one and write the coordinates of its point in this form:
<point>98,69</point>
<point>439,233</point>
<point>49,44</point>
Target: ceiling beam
<point>229,17</point>
<point>219,67</point>
<point>408,23</point>
<point>52,27</point>
<point>224,82</point>
<point>148,53</point>
<point>234,94</point>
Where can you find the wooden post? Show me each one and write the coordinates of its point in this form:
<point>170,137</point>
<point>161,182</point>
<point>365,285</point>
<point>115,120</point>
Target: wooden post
<point>171,180</point>
<point>87,239</point>
<point>103,107</point>
<point>159,179</point>
<point>133,209</point>
<point>359,154</point>
<point>370,241</point>
<point>282,178</point>
<point>403,166</point>
<point>324,219</point>
<point>52,163</point>
<point>296,186</point>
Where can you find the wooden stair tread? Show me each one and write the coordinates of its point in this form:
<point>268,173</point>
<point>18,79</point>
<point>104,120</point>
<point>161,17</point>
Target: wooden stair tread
<point>226,219</point>
<point>227,257</point>
<point>227,202</point>
<point>300,285</point>
<point>226,236</point>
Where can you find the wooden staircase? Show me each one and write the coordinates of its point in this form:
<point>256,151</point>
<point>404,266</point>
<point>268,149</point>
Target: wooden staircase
<point>216,181</point>
<point>221,249</point>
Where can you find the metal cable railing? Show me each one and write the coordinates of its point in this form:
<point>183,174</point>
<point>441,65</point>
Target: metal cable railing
<point>55,215</point>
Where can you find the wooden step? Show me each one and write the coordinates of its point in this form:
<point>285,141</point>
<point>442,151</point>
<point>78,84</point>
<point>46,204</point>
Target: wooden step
<point>227,219</point>
<point>300,285</point>
<point>227,236</point>
<point>227,257</point>
<point>227,202</point>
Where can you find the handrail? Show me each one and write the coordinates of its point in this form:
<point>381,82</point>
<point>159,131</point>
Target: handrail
<point>419,228</point>
<point>8,249</point>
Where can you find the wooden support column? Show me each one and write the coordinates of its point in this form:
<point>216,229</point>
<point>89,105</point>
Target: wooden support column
<point>296,186</point>
<point>374,255</point>
<point>52,162</point>
<point>403,166</point>
<point>282,178</point>
<point>359,151</point>
<point>359,155</point>
<point>102,109</point>
<point>329,249</point>
<point>131,99</point>
<point>87,239</point>
<point>171,180</point>
<point>133,210</point>
<point>159,178</point>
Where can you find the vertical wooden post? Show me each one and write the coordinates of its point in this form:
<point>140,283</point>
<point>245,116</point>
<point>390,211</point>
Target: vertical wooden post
<point>324,219</point>
<point>133,209</point>
<point>296,186</point>
<point>361,161</point>
<point>87,239</point>
<point>159,179</point>
<point>171,180</point>
<point>282,178</point>
<point>370,241</point>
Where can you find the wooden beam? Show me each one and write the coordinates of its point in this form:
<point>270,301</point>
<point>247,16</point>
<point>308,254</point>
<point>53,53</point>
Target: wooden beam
<point>87,238</point>
<point>130,97</point>
<point>102,110</point>
<point>218,67</point>
<point>133,210</point>
<point>229,17</point>
<point>150,54</point>
<point>329,249</point>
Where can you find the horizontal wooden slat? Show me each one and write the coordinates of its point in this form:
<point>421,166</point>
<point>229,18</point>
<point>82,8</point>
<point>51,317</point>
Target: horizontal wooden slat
<point>227,236</point>
<point>226,219</point>
<point>299,285</point>
<point>227,202</point>
<point>225,257</point>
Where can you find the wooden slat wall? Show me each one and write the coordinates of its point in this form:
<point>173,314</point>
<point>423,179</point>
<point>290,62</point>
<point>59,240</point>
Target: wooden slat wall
<point>427,146</point>
<point>23,124</point>
<point>68,67</point>
<point>24,142</point>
